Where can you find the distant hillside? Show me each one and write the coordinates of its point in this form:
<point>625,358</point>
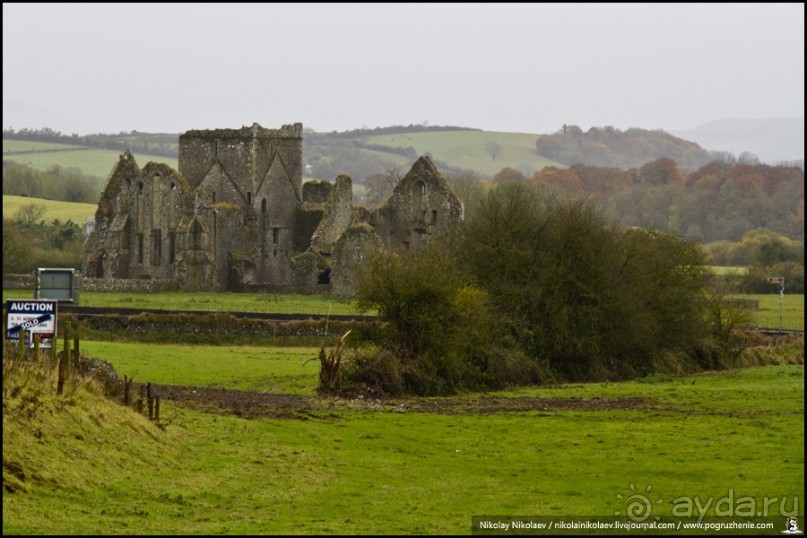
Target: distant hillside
<point>610,147</point>
<point>458,151</point>
<point>772,140</point>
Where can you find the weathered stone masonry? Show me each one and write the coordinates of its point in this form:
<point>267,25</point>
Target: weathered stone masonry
<point>237,217</point>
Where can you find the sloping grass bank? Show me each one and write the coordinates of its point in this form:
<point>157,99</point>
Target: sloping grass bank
<point>91,467</point>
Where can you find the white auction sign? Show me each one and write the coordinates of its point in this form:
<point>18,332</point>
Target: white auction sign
<point>26,317</point>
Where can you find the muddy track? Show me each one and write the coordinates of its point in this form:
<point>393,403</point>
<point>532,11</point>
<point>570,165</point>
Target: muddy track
<point>259,404</point>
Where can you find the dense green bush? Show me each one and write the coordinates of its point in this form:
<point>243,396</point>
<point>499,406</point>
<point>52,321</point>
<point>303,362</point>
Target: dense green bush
<point>445,336</point>
<point>28,244</point>
<point>534,288</point>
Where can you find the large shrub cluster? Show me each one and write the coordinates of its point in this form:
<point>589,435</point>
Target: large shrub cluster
<point>532,288</point>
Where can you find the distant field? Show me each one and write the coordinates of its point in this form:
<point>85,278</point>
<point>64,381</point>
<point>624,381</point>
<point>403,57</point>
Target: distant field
<point>466,149</point>
<point>725,270</point>
<point>32,145</point>
<point>54,209</point>
<point>768,314</point>
<point>92,162</point>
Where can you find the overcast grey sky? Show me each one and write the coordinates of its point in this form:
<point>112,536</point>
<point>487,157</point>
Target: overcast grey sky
<point>89,68</point>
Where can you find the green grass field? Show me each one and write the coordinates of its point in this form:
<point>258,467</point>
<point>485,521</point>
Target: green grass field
<point>213,301</point>
<point>466,149</point>
<point>792,311</point>
<point>248,368</point>
<point>727,270</point>
<point>92,162</point>
<point>80,465</point>
<point>33,146</point>
<point>54,209</point>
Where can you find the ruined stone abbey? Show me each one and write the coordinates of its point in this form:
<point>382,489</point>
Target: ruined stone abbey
<point>237,216</point>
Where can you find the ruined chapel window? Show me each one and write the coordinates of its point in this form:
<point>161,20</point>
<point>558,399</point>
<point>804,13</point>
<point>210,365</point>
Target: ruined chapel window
<point>139,248</point>
<point>172,247</point>
<point>275,235</point>
<point>156,247</point>
<point>196,235</point>
<point>419,196</point>
<point>249,198</point>
<point>434,216</point>
<point>140,188</point>
<point>263,206</point>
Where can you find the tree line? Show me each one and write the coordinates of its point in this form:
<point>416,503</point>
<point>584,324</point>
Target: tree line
<point>162,144</point>
<point>611,147</point>
<point>719,201</point>
<point>55,183</point>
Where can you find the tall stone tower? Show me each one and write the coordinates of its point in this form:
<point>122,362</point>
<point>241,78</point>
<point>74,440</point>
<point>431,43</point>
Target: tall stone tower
<point>249,188</point>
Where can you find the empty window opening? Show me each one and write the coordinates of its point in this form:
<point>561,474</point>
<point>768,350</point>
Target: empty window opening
<point>419,196</point>
<point>263,206</point>
<point>196,235</point>
<point>156,247</point>
<point>249,198</point>
<point>275,235</point>
<point>434,216</point>
<point>324,277</point>
<point>139,248</point>
<point>172,247</point>
<point>140,188</point>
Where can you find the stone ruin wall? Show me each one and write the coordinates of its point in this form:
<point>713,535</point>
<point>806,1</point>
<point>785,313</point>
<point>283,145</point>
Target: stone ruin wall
<point>237,217</point>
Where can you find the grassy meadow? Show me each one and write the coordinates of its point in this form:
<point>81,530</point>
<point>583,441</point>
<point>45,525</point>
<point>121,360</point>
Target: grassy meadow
<point>792,311</point>
<point>54,209</point>
<point>79,464</point>
<point>92,162</point>
<point>287,370</point>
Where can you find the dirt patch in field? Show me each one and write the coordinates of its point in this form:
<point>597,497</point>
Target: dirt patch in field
<point>257,404</point>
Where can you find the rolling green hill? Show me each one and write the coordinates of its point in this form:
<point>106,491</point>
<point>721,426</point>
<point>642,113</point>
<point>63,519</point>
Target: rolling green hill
<point>91,161</point>
<point>357,154</point>
<point>468,149</point>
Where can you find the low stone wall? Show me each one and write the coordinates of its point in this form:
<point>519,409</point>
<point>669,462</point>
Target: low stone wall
<point>18,282</point>
<point>28,282</point>
<point>128,284</point>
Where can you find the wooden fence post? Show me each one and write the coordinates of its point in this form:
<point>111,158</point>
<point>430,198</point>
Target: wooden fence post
<point>157,409</point>
<point>76,353</point>
<point>21,347</point>
<point>127,385</point>
<point>36,347</point>
<point>60,382</point>
<point>66,357</point>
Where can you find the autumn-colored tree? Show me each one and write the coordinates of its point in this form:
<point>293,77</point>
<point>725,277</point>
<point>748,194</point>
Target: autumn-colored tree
<point>662,171</point>
<point>508,174</point>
